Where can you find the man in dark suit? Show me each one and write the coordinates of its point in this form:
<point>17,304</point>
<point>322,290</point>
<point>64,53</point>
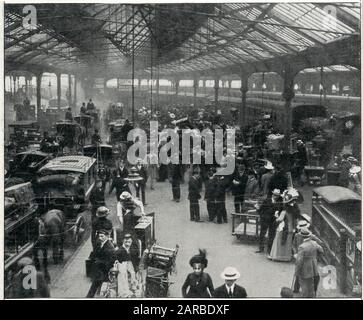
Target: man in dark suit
<point>176,177</point>
<point>210,194</point>
<point>278,180</point>
<point>194,196</point>
<point>118,180</point>
<point>239,183</point>
<point>142,184</point>
<point>222,183</point>
<point>230,289</point>
<point>267,211</point>
<point>103,258</point>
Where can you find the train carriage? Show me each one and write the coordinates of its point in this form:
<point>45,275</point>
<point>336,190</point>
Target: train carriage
<point>336,220</point>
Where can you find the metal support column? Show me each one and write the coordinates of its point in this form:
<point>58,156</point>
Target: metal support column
<point>59,91</point>
<point>39,93</point>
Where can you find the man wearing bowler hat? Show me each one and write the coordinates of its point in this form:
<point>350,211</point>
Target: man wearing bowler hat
<point>230,289</point>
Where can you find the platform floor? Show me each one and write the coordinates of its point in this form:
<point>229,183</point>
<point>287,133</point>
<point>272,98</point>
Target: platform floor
<point>261,277</point>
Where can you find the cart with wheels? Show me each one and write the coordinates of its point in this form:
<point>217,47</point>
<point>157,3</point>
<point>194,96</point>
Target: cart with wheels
<point>246,226</point>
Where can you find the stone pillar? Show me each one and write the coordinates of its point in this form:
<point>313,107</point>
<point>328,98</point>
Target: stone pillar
<point>195,91</point>
<point>39,93</point>
<point>59,91</point>
<point>244,89</point>
<point>216,92</point>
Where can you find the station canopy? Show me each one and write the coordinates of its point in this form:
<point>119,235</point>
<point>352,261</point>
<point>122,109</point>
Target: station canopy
<point>175,38</point>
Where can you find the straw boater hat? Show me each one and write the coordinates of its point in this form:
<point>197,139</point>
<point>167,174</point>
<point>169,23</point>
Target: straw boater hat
<point>172,115</point>
<point>302,224</point>
<point>305,232</point>
<point>125,195</point>
<point>355,169</point>
<point>134,175</point>
<point>102,212</point>
<point>269,166</point>
<point>230,273</point>
<point>276,192</point>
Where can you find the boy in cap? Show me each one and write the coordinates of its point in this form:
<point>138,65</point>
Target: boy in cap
<point>230,289</point>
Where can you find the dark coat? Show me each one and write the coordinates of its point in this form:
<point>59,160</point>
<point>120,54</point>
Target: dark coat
<point>238,292</point>
<point>222,184</point>
<point>132,255</point>
<point>120,185</point>
<point>268,209</point>
<point>194,189</point>
<point>97,197</point>
<point>102,224</point>
<point>239,189</point>
<point>124,173</point>
<point>198,286</point>
<point>176,173</point>
<point>210,189</point>
<point>143,173</point>
<point>103,260</point>
<point>278,181</point>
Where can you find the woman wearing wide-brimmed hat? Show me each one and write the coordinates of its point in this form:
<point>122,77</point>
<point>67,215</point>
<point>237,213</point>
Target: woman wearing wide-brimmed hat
<point>198,284</point>
<point>282,246</point>
<point>125,211</point>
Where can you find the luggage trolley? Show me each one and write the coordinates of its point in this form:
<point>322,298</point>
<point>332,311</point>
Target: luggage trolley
<point>246,226</point>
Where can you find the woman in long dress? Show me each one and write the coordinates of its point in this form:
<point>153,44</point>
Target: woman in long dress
<point>282,246</point>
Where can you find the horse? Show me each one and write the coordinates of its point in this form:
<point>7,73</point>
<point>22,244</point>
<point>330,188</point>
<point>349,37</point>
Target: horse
<point>52,229</point>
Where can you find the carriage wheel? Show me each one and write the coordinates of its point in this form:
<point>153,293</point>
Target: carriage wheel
<point>79,230</point>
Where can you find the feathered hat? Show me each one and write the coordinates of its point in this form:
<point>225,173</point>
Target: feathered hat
<point>201,258</point>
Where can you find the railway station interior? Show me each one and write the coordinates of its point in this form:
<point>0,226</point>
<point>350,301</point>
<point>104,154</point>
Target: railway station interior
<point>268,207</point>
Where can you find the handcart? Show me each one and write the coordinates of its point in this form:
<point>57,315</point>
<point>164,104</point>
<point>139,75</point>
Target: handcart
<point>246,226</point>
<point>160,264</point>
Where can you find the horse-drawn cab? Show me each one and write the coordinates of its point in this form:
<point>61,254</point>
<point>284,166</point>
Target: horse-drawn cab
<point>24,134</point>
<point>65,183</point>
<point>105,156</point>
<point>20,232</point>
<point>86,121</point>
<point>116,131</point>
<point>25,166</point>
<point>95,114</point>
<point>68,133</point>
